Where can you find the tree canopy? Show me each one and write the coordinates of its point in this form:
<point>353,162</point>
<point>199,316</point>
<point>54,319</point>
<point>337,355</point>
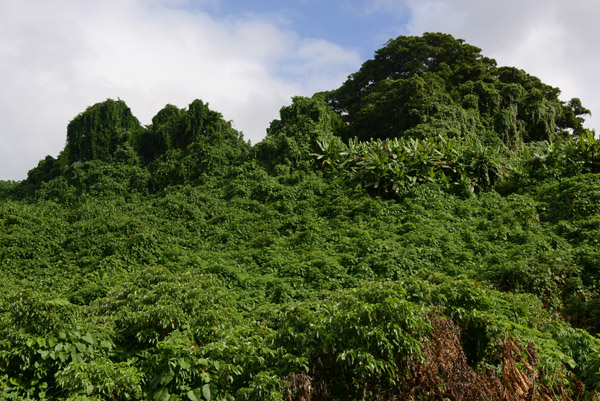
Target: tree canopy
<point>421,86</point>
<point>96,133</point>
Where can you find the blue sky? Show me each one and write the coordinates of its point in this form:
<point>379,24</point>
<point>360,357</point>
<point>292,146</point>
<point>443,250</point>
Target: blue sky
<point>352,24</point>
<point>248,58</point>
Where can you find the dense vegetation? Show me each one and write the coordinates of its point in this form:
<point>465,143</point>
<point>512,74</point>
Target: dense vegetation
<point>429,230</point>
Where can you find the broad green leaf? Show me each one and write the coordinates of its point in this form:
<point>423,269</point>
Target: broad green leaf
<point>195,394</point>
<point>88,338</point>
<point>162,395</point>
<point>206,391</point>
<point>58,301</point>
<point>167,377</point>
<point>183,363</point>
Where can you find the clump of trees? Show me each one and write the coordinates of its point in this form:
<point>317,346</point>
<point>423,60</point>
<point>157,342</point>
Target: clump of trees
<point>423,86</point>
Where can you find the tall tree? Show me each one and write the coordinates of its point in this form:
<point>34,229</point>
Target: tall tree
<point>435,84</point>
<point>96,133</point>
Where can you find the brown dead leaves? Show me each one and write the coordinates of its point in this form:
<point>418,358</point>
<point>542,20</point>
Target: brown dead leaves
<point>446,375</point>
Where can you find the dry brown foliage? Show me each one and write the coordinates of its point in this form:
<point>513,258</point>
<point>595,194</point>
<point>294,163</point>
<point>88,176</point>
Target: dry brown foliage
<point>446,375</point>
<point>298,387</point>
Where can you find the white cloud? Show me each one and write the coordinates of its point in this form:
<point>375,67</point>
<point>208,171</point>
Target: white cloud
<point>59,57</point>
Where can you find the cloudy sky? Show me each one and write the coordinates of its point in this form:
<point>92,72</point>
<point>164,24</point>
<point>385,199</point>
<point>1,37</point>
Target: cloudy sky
<point>248,58</point>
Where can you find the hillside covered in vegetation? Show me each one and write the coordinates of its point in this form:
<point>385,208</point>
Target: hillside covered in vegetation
<point>427,231</point>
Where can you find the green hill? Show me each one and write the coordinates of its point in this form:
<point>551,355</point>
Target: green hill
<point>429,230</point>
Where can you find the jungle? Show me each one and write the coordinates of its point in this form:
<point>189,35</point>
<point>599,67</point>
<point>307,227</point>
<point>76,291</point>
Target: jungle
<point>427,231</point>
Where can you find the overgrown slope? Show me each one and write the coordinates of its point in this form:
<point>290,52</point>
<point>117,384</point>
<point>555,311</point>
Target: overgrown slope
<point>453,256</point>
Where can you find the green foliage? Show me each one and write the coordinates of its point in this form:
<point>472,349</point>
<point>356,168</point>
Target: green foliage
<point>174,128</point>
<point>357,342</point>
<point>109,154</point>
<point>421,86</point>
<point>101,379</point>
<point>40,338</point>
<point>176,262</point>
<point>293,138</point>
<point>6,189</point>
<point>393,166</point>
<point>47,169</point>
<point>96,133</point>
<point>234,290</point>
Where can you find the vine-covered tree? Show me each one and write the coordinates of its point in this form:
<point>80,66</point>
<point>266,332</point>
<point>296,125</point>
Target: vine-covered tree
<point>292,139</point>
<point>96,133</point>
<point>174,128</point>
<point>182,145</point>
<point>423,86</point>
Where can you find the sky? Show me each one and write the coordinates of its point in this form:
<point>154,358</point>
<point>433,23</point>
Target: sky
<point>247,58</point>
